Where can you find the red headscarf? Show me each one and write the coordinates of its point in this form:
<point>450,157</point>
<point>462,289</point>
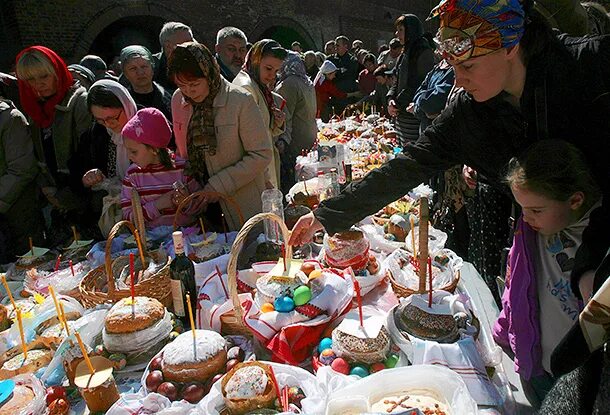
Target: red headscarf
<point>43,112</point>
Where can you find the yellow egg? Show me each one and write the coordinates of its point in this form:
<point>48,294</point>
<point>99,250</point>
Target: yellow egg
<point>267,307</point>
<point>315,274</point>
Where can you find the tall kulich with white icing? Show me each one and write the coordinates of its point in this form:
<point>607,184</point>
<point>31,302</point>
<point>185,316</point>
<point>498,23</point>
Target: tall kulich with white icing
<point>182,274</point>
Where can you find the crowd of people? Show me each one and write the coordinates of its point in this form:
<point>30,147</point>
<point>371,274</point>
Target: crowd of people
<point>509,118</point>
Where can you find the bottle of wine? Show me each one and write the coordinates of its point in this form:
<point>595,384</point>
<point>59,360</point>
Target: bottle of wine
<point>182,274</point>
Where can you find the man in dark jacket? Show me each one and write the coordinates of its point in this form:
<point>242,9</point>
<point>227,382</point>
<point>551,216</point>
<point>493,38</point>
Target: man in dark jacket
<point>347,71</point>
<point>171,35</point>
<point>230,51</point>
<point>530,86</point>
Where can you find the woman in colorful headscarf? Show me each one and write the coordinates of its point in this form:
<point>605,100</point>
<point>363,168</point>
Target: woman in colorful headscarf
<point>416,60</point>
<point>521,83</point>
<point>220,131</point>
<point>301,129</point>
<point>57,108</point>
<point>258,77</point>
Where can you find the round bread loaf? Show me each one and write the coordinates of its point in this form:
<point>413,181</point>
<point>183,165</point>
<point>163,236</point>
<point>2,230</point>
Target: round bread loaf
<point>441,328</point>
<point>123,318</point>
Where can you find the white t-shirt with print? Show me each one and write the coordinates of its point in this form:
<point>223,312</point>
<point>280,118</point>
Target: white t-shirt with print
<point>559,307</point>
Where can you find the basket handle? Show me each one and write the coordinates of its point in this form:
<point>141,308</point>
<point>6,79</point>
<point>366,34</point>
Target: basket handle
<point>237,247</point>
<point>197,196</point>
<point>108,257</point>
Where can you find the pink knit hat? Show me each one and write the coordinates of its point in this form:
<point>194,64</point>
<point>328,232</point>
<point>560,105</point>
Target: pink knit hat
<point>148,126</point>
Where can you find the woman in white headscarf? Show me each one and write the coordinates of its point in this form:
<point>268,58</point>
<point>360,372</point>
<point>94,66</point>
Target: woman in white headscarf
<point>326,89</point>
<point>101,152</point>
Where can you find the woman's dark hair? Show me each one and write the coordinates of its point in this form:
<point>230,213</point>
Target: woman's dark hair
<point>102,96</point>
<point>274,49</point>
<point>555,169</point>
<point>537,36</point>
<point>182,64</point>
<point>164,157</point>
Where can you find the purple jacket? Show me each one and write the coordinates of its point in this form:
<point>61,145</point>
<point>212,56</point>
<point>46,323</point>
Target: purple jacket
<point>518,325</point>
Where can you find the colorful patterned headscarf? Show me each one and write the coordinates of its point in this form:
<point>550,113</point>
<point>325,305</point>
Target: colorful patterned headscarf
<point>294,65</point>
<point>471,28</point>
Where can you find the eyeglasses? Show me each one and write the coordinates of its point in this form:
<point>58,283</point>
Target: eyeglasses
<point>105,121</point>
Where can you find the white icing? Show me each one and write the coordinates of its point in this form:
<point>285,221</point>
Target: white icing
<point>207,345</point>
<point>124,308</point>
<point>418,399</point>
<point>247,382</point>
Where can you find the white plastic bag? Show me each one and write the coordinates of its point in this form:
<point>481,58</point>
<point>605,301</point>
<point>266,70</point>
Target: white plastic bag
<point>37,405</point>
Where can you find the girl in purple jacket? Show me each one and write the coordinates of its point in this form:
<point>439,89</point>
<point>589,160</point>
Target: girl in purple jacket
<point>557,194</point>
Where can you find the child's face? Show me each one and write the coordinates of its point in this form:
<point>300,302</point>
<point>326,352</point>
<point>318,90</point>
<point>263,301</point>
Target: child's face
<point>545,215</point>
<point>139,153</point>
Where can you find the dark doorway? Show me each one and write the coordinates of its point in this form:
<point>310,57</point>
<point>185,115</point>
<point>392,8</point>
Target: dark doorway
<point>133,30</point>
<point>285,36</point>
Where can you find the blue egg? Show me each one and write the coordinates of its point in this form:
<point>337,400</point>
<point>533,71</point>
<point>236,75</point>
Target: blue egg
<point>325,343</point>
<point>283,304</point>
<point>359,371</point>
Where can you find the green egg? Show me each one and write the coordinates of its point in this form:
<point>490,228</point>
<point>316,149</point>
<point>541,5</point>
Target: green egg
<point>301,295</point>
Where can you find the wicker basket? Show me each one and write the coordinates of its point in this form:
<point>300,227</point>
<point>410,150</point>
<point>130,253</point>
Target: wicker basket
<point>402,291</point>
<point>233,322</point>
<point>92,286</point>
<point>197,197</point>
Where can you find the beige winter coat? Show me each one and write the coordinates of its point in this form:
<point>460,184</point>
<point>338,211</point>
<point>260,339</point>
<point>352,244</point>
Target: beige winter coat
<point>243,149</point>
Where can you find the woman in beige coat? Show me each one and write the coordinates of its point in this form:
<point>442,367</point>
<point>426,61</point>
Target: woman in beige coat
<point>219,130</point>
<point>258,77</point>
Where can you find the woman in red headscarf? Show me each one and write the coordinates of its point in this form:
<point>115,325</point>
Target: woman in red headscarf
<point>57,109</point>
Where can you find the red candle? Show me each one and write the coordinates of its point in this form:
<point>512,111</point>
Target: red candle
<point>430,277</point>
<point>285,399</point>
<point>222,282</point>
<point>132,275</point>
<point>57,262</point>
<point>71,267</point>
<point>276,385</point>
<point>358,297</point>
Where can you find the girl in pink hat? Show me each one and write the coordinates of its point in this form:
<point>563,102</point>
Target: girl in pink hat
<point>155,173</point>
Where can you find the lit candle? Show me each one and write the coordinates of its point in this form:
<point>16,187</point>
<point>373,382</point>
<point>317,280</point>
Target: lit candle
<point>63,318</point>
<point>24,345</point>
<point>412,220</point>
<point>84,351</point>
<point>54,297</point>
<point>224,228</point>
<point>8,292</point>
<point>283,248</point>
<point>202,228</point>
<point>74,233</point>
<point>139,242</point>
<point>57,262</point>
<point>430,278</point>
<point>71,267</point>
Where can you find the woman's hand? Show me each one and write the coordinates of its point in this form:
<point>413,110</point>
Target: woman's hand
<point>304,229</point>
<point>93,177</point>
<point>585,284</point>
<point>279,117</point>
<point>392,108</point>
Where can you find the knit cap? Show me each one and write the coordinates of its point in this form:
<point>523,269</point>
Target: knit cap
<point>148,126</point>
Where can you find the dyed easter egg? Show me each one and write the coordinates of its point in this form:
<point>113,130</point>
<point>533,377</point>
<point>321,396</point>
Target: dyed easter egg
<point>267,307</point>
<point>391,361</point>
<point>325,343</point>
<point>340,365</point>
<point>359,371</point>
<point>296,395</point>
<point>284,304</point>
<point>316,273</point>
<point>376,367</point>
<point>301,295</point>
<point>327,356</point>
<point>119,360</point>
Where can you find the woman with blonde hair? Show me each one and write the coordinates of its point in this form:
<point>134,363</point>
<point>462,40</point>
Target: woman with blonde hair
<point>57,109</point>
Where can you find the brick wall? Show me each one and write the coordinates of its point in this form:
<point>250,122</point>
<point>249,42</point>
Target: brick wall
<point>70,26</point>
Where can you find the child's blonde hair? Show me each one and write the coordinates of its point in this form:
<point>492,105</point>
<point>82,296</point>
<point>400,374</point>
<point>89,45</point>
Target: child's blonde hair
<point>555,169</point>
<point>34,64</point>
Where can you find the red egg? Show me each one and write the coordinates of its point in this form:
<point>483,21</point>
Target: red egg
<point>169,390</point>
<point>55,392</point>
<point>216,378</point>
<point>155,364</point>
<point>193,393</point>
<point>231,363</point>
<point>340,365</point>
<point>376,367</point>
<point>307,268</point>
<point>153,380</point>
